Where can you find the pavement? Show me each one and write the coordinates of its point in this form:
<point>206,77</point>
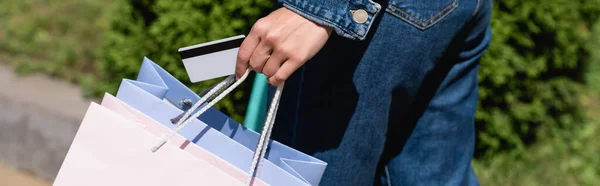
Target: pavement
<point>9,177</point>
<point>39,117</point>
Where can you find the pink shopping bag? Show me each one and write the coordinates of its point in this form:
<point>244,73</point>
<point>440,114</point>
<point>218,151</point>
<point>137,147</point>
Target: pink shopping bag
<point>114,104</point>
<point>109,149</point>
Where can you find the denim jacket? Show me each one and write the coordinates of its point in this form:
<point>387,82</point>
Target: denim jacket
<point>338,14</point>
<point>397,108</point>
<point>353,18</point>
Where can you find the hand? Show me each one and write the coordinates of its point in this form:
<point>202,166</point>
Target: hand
<point>279,44</point>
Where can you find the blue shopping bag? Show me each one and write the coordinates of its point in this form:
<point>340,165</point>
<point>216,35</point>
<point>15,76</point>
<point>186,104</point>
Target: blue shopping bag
<point>158,94</point>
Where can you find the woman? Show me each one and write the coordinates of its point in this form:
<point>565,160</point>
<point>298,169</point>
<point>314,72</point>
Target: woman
<point>385,92</point>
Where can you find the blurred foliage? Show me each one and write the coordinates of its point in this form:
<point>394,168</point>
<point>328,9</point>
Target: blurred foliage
<point>157,28</point>
<point>554,161</point>
<point>549,162</point>
<point>56,37</point>
<point>559,157</point>
<point>530,76</point>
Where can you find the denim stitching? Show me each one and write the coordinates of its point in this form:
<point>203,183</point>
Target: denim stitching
<point>442,17</point>
<point>403,18</point>
<point>420,20</point>
<point>374,16</point>
<point>325,20</point>
<point>445,11</point>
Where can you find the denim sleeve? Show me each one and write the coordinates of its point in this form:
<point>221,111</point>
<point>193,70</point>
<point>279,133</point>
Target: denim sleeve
<point>338,14</point>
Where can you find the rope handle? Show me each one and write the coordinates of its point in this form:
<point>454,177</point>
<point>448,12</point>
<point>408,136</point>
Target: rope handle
<point>265,135</point>
<point>185,119</point>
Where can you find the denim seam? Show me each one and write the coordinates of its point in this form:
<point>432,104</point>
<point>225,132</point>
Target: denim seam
<point>374,17</point>
<point>447,10</point>
<point>477,8</point>
<point>443,16</point>
<point>420,20</point>
<point>324,20</point>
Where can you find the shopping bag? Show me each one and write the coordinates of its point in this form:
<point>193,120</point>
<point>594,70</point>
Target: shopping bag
<point>111,150</point>
<point>159,95</point>
<point>150,125</point>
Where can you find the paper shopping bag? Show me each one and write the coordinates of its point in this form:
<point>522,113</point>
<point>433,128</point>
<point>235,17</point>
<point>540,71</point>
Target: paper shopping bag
<point>112,103</point>
<point>158,94</point>
<point>111,150</point>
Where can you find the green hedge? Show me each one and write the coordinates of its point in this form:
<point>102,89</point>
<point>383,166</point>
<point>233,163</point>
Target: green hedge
<point>529,77</point>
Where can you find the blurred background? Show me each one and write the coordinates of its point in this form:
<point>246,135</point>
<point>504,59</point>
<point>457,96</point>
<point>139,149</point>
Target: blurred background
<point>538,119</point>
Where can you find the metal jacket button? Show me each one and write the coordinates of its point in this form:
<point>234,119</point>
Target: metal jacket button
<point>360,16</point>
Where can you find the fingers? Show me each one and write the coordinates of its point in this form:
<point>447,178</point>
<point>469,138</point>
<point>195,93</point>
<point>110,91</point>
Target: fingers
<point>274,63</point>
<point>279,44</point>
<point>270,40</point>
<point>259,57</point>
<point>292,57</point>
<point>244,54</point>
<point>247,48</point>
<point>286,70</point>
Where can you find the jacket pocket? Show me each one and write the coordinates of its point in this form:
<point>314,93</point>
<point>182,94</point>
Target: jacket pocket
<point>422,13</point>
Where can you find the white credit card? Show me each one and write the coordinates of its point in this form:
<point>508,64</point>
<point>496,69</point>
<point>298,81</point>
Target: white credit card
<point>212,59</point>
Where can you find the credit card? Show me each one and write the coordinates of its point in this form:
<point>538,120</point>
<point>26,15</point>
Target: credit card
<point>212,59</point>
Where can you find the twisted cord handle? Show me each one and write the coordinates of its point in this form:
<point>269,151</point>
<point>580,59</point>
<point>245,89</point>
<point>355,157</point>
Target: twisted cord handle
<point>184,121</point>
<point>265,135</point>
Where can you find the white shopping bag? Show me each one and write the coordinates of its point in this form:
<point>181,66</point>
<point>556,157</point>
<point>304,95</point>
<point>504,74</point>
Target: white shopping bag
<point>111,150</point>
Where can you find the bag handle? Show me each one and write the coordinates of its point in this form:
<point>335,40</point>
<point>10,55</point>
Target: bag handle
<point>265,135</point>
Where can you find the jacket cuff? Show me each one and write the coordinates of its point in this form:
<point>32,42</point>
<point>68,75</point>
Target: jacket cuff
<point>351,19</point>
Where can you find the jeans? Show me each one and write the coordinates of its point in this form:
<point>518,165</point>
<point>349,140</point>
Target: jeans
<point>398,107</point>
